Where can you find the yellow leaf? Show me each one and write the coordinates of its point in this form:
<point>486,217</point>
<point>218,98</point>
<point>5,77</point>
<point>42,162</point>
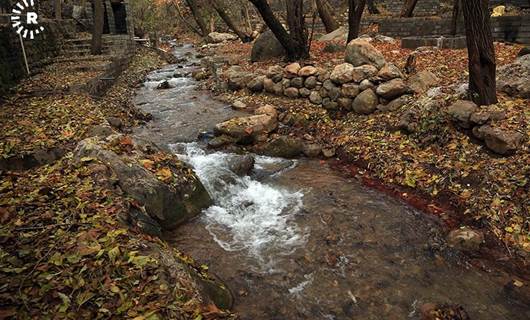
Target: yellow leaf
<point>164,174</point>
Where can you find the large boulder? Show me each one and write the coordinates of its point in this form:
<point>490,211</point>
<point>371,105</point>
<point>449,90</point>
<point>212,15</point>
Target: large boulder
<point>170,195</point>
<point>392,89</point>
<point>423,81</point>
<point>266,47</point>
<point>308,71</point>
<point>514,78</point>
<point>245,129</point>
<point>217,37</point>
<point>340,34</point>
<point>359,52</point>
<point>366,102</point>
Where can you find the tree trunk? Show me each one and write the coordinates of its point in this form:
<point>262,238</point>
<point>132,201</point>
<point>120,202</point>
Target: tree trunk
<point>481,52</point>
<point>229,22</point>
<point>58,10</point>
<point>372,8</point>
<point>97,32</point>
<point>198,16</point>
<point>408,8</point>
<point>296,24</point>
<point>454,18</point>
<point>294,51</point>
<point>188,24</point>
<point>324,12</point>
<point>355,13</point>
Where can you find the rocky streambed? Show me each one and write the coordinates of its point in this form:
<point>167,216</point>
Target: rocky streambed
<point>293,239</point>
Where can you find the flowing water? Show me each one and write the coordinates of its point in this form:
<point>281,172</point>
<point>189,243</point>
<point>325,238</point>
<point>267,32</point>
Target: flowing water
<point>297,240</point>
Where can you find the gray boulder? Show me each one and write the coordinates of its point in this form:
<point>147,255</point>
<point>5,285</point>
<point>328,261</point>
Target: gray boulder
<point>245,129</point>
<point>461,112</point>
<point>423,81</point>
<point>359,52</point>
<point>283,147</point>
<point>342,73</point>
<point>218,37</point>
<point>266,47</point>
<point>503,142</point>
<point>256,84</point>
<point>514,78</point>
<point>337,35</point>
<point>366,102</point>
<point>392,89</point>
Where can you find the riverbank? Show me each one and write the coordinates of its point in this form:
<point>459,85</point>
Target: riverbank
<point>68,247</point>
<point>436,165</point>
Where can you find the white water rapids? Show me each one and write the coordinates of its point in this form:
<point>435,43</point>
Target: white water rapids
<point>248,214</point>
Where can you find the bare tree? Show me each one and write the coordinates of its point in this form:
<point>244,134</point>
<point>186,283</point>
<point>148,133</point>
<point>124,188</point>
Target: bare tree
<point>199,16</point>
<point>295,41</point>
<point>408,8</point>
<point>229,22</point>
<point>97,32</point>
<point>481,52</point>
<point>324,11</point>
<point>355,13</point>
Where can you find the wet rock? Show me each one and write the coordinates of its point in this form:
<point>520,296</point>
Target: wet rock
<point>200,75</point>
<point>283,147</point>
<point>366,84</point>
<point>342,73</point>
<point>339,34</point>
<point>311,82</point>
<point>389,72</point>
<point>363,72</point>
<point>422,81</point>
<point>256,84</point>
<point>218,37</point>
<point>244,129</point>
<point>163,85</point>
<point>513,78</point>
<point>297,82</point>
<point>392,89</point>
<point>503,142</point>
<point>304,92</point>
<point>366,102</point>
<point>291,70</point>
<point>360,52</point>
<point>115,122</point>
<point>221,141</point>
<point>465,239</point>
<point>241,165</point>
<point>275,73</point>
<point>238,79</point>
<point>266,47</point>
<point>239,105</point>
<point>308,71</point>
<point>271,168</point>
<point>291,92</point>
<point>312,150</point>
<point>315,97</point>
<point>144,222</point>
<point>350,90</point>
<point>169,205</point>
<point>461,112</point>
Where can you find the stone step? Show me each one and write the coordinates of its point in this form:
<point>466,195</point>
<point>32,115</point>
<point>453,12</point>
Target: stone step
<point>82,52</point>
<point>84,58</point>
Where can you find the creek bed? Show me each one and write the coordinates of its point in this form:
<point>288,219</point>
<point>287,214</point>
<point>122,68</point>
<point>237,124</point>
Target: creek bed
<point>305,242</point>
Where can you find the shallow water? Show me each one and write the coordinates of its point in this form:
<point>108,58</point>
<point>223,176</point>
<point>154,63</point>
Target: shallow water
<point>306,242</point>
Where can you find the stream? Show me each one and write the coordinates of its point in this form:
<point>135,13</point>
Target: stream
<point>298,240</point>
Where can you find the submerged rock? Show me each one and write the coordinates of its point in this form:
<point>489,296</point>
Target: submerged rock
<point>245,129</point>
<point>465,239</point>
